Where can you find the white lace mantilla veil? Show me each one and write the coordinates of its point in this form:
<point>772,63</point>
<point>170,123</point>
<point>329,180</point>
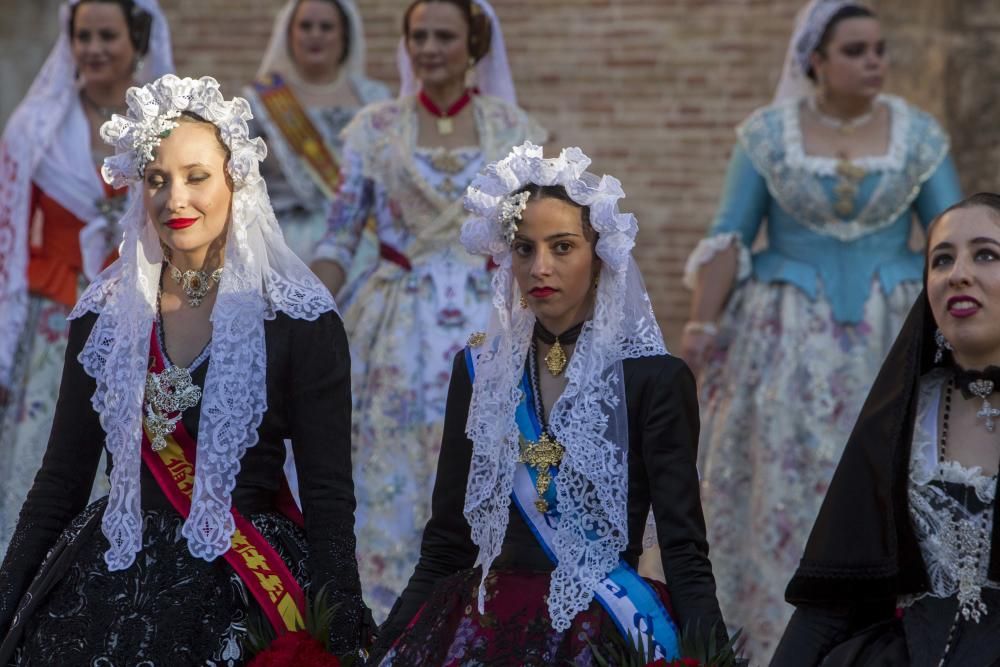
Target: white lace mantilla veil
<point>277,57</point>
<point>262,276</point>
<point>590,418</point>
<point>28,135</point>
<point>810,24</point>
<point>492,73</point>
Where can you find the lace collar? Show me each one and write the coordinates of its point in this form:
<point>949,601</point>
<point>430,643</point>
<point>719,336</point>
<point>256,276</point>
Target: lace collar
<point>894,159</point>
<point>924,464</point>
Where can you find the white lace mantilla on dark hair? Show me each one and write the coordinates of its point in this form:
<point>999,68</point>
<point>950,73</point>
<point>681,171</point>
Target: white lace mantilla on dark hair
<point>954,538</point>
<point>589,419</point>
<point>262,276</point>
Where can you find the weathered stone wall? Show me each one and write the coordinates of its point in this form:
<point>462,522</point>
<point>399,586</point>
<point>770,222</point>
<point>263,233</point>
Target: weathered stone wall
<point>650,88</point>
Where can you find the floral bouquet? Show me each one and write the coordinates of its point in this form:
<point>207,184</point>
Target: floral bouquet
<point>306,647</point>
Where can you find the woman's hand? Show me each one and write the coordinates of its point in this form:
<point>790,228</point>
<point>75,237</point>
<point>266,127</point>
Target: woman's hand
<point>697,340</point>
<point>330,274</point>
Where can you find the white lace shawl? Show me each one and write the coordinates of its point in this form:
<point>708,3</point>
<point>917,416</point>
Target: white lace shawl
<point>933,511</point>
<point>590,418</point>
<point>492,75</point>
<point>262,276</point>
<point>46,113</point>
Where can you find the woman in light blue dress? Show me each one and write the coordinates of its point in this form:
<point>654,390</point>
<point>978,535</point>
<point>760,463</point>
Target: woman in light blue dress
<point>788,338</point>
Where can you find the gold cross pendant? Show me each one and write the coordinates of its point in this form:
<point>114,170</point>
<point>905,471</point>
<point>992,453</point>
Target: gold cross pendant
<point>541,456</point>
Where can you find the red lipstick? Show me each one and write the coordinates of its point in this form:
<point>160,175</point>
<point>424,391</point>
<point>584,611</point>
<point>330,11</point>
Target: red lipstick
<point>542,292</point>
<point>180,223</point>
<point>963,306</point>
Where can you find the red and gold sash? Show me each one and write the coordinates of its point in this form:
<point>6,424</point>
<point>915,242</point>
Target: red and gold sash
<point>254,559</point>
<point>300,133</point>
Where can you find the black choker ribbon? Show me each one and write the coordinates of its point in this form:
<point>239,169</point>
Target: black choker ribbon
<point>556,359</point>
<point>981,384</point>
<point>972,383</point>
<point>567,337</point>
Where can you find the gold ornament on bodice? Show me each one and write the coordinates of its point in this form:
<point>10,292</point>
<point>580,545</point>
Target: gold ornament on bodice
<point>541,456</point>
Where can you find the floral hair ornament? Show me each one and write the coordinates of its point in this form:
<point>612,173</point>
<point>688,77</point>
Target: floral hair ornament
<point>152,110</point>
<point>489,199</point>
<point>510,214</point>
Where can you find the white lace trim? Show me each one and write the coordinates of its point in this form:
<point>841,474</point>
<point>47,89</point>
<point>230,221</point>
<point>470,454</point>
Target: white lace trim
<point>772,139</point>
<point>892,160</point>
<point>262,276</point>
<point>936,515</point>
<point>590,418</point>
<point>708,248</point>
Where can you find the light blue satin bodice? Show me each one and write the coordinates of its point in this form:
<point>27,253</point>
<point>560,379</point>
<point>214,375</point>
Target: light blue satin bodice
<point>808,244</point>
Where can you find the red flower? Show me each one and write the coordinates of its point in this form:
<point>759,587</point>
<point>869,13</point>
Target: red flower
<point>295,649</point>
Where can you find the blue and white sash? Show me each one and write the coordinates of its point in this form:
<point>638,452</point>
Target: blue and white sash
<point>628,598</point>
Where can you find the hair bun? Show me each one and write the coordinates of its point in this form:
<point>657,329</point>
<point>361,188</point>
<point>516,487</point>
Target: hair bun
<point>480,32</point>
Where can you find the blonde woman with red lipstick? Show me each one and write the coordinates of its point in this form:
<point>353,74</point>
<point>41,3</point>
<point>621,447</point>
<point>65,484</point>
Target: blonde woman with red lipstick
<point>407,163</point>
<point>903,563</point>
<point>191,359</point>
<point>57,217</point>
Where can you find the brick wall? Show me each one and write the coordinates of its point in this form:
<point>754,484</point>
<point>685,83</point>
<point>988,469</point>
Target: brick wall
<point>651,89</point>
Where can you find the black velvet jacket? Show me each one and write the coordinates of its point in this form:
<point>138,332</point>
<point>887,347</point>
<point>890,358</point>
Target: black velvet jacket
<point>309,402</point>
<point>663,442</point>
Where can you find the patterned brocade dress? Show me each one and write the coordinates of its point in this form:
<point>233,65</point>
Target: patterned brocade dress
<point>802,336</point>
<point>408,316</point>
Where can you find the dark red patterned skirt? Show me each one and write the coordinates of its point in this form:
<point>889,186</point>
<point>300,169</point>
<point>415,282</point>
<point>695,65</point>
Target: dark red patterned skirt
<point>515,630</point>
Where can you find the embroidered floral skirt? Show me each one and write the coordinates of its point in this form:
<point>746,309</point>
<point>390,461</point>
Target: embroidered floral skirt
<point>405,329</point>
<point>168,608</point>
<point>516,630</point>
<point>26,419</point>
<point>779,398</point>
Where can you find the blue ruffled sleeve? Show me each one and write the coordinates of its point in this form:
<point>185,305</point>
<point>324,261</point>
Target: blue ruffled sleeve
<point>744,204</point>
<point>744,199</point>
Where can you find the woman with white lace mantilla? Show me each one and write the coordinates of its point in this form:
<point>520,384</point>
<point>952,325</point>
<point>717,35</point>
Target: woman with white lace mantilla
<point>407,163</point>
<point>58,219</point>
<point>566,420</point>
<point>903,564</point>
<point>838,170</point>
<point>309,86</point>
<point>190,359</point>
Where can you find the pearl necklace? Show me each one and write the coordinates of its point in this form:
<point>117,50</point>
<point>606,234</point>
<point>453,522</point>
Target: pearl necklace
<point>845,127</point>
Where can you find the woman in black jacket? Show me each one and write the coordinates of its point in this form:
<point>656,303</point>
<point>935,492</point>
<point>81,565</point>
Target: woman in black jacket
<point>191,359</point>
<point>566,421</point>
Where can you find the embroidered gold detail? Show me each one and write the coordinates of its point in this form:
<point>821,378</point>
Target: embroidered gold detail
<point>168,395</point>
<point>541,456</point>
<point>477,339</point>
<point>849,177</point>
<point>556,359</point>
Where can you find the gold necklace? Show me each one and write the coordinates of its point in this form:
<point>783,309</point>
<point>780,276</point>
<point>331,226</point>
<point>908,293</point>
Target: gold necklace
<point>196,284</point>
